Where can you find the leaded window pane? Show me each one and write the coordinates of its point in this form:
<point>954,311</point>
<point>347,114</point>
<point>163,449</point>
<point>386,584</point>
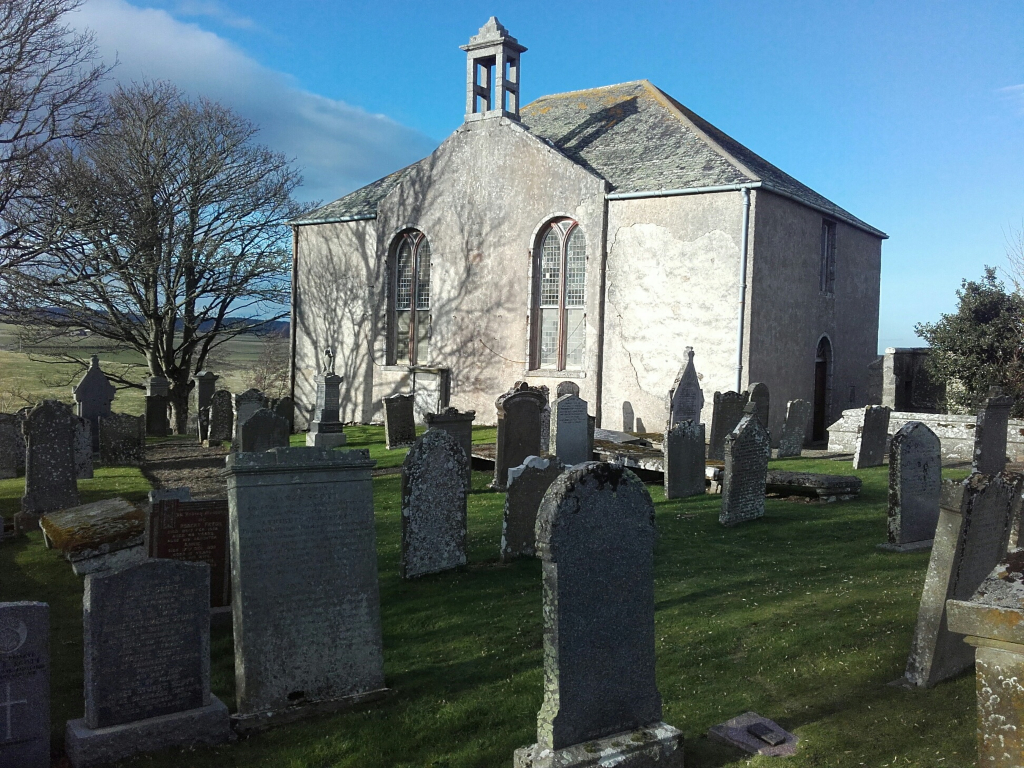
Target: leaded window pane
<point>549,338</point>
<point>403,276</point>
<point>550,269</point>
<point>575,269</point>
<point>423,275</point>
<point>575,333</point>
<point>422,336</point>
<point>402,318</point>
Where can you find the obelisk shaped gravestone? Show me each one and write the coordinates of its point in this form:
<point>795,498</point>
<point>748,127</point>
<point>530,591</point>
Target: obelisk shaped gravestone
<point>94,394</point>
<point>747,451</point>
<point>519,429</point>
<point>24,685</point>
<point>870,450</point>
<point>569,430</point>
<point>600,693</point>
<point>686,399</point>
<point>761,399</point>
<point>791,441</point>
<point>683,455</point>
<point>728,410</point>
<point>971,537</point>
<point>990,433</point>
<point>915,481</point>
<point>527,485</point>
<point>50,481</point>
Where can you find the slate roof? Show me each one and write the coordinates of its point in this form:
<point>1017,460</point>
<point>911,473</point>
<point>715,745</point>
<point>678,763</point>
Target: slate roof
<point>638,139</point>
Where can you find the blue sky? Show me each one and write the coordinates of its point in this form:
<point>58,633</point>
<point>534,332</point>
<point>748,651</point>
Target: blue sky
<point>910,115</point>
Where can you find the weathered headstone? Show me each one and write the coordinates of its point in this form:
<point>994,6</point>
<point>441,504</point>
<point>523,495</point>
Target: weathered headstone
<point>567,388</point>
<point>264,430</point>
<point>747,451</point>
<point>684,467</point>
<point>222,418</point>
<point>519,429</point>
<point>244,405</point>
<point>545,421</point>
<point>728,410</point>
<point>325,428</point>
<point>761,398</point>
<point>433,505</point>
<point>990,433</point>
<point>304,583</point>
<point>460,426</point>
<point>94,393</point>
<point>915,482</point>
<point>870,450</point>
<point>686,399</point>
<point>600,694</point>
<point>147,664</point>
<point>205,386</point>
<point>50,459</point>
<point>195,531</point>
<point>791,441</point>
<point>285,408</point>
<point>970,539</point>
<point>157,390</point>
<point>569,430</point>
<point>399,421</point>
<point>527,485</point>
<point>12,443</point>
<point>122,439</point>
<point>83,448</point>
<point>24,685</point>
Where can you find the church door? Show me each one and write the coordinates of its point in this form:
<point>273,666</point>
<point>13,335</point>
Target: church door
<point>822,371</point>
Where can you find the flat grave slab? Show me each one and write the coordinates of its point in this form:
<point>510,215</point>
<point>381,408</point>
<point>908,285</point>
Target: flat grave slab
<point>823,487</point>
<point>97,536</point>
<point>740,732</point>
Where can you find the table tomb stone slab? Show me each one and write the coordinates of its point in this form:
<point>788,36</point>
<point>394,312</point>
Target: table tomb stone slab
<point>527,485</point>
<point>570,430</point>
<point>825,488</point>
<point>244,405</point>
<point>50,477</point>
<point>761,399</point>
<point>745,473</point>
<point>24,685</point>
<point>12,444</point>
<point>684,465</point>
<point>519,429</point>
<point>122,439</point>
<point>915,482</point>
<point>100,535</point>
<point>458,424</point>
<point>798,416</point>
<point>399,421</point>
<point>728,410</point>
<point>874,434</point>
<point>264,430</point>
<point>601,703</point>
<point>222,417</point>
<point>93,395</point>
<point>686,399</point>
<point>990,433</point>
<point>970,539</point>
<point>193,531</point>
<point>433,505</point>
<point>300,648</point>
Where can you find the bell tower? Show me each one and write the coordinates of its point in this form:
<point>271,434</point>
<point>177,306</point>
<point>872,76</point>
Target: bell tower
<point>492,73</point>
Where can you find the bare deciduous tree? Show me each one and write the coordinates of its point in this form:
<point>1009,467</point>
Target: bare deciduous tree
<point>269,374</point>
<point>165,234</point>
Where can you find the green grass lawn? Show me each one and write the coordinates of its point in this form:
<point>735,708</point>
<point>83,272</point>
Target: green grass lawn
<point>797,616</point>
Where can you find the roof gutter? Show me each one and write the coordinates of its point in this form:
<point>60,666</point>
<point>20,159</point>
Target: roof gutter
<point>336,220</point>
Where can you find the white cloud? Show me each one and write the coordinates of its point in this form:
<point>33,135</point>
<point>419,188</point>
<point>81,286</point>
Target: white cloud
<point>339,147</point>
<point>214,10</point>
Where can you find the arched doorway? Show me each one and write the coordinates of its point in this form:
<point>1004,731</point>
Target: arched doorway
<point>822,388</point>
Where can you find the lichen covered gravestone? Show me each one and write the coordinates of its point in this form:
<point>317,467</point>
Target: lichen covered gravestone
<point>94,393</point>
<point>433,505</point>
<point>915,481</point>
<point>222,418</point>
<point>684,465</point>
<point>761,399</point>
<point>460,426</point>
<point>304,593</point>
<point>686,400</point>
<point>147,664</point>
<point>264,430</point>
<point>50,481</point>
<point>970,539</point>
<point>601,702</point>
<point>519,429</point>
<point>990,433</point>
<point>570,430</point>
<point>527,485</point>
<point>874,434</point>
<point>747,451</point>
<point>24,685</point>
<point>122,439</point>
<point>399,421</point>
<point>728,410</point>
<point>791,441</point>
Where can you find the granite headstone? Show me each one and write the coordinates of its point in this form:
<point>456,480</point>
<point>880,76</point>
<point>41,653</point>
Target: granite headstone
<point>761,398</point>
<point>747,451</point>
<point>871,442</point>
<point>728,410</point>
<point>683,458</point>
<point>990,433</point>
<point>527,485</point>
<point>24,685</point>
<point>122,439</point>
<point>399,421</point>
<point>50,482</point>
<point>458,424</point>
<point>569,430</point>
<point>519,429</point>
<point>194,531</point>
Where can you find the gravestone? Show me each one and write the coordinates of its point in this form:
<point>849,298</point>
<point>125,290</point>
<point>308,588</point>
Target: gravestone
<point>567,388</point>
<point>600,694</point>
<point>519,429</point>
<point>527,485</point>
<point>304,592</point>
<point>684,468</point>
<point>870,450</point>
<point>460,426</point>
<point>205,386</point>
<point>157,390</point>
<point>399,421</point>
<point>970,538</point>
<point>747,451</point>
<point>326,429</point>
<point>181,493</point>
<point>728,410</point>
<point>915,481</point>
<point>24,685</point>
<point>83,448</point>
<point>264,430</point>
<point>760,397</point>
<point>570,430</point>
<point>686,399</point>
<point>122,439</point>
<point>990,433</point>
<point>50,480</point>
<point>194,531</point>
<point>147,664</point>
<point>433,506</point>
<point>545,422</point>
<point>244,405</point>
<point>12,444</point>
<point>791,441</point>
<point>222,418</point>
<point>285,408</point>
<point>93,395</point>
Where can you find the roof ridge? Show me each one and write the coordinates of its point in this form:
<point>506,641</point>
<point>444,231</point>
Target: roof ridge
<point>584,90</point>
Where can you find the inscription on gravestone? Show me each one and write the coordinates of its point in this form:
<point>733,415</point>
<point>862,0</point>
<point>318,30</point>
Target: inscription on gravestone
<point>24,685</point>
<point>196,531</point>
<point>747,451</point>
<point>399,421</point>
<point>569,430</point>
<point>686,400</point>
<point>915,481</point>
<point>684,466</point>
<point>870,450</point>
<point>728,410</point>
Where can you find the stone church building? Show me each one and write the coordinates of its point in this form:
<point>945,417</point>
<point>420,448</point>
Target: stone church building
<point>591,236</point>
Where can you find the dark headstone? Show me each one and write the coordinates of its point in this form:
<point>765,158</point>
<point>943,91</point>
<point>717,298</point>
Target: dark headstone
<point>205,386</point>
<point>870,450</point>
<point>157,423</point>
<point>460,426</point>
<point>761,398</point>
<point>245,405</point>
<point>683,448</point>
<point>812,485</point>
<point>990,433</point>
<point>194,531</point>
<point>791,441</point>
<point>519,429</point>
<point>122,439</point>
<point>747,451</point>
<point>399,421</point>
<point>222,417</point>
<point>686,400</point>
<point>545,421</point>
<point>600,693</point>
<point>728,410</point>
<point>433,505</point>
<point>304,583</point>
<point>83,448</point>
<point>570,430</point>
<point>264,430</point>
<point>50,459</point>
<point>94,393</point>
<point>567,388</point>
<point>915,481</point>
<point>527,485</point>
<point>285,408</point>
<point>12,445</point>
<point>24,685</point>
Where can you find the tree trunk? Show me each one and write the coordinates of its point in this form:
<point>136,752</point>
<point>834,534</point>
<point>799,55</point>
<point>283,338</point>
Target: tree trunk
<point>178,398</point>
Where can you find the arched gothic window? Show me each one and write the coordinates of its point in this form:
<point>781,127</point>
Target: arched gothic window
<point>409,294</point>
<point>559,320</point>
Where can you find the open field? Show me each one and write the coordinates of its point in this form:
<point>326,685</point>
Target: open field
<point>796,616</point>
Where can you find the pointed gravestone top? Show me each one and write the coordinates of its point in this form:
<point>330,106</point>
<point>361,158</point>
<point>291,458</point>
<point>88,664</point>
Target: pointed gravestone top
<point>759,396</point>
<point>686,400</point>
<point>94,393</point>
